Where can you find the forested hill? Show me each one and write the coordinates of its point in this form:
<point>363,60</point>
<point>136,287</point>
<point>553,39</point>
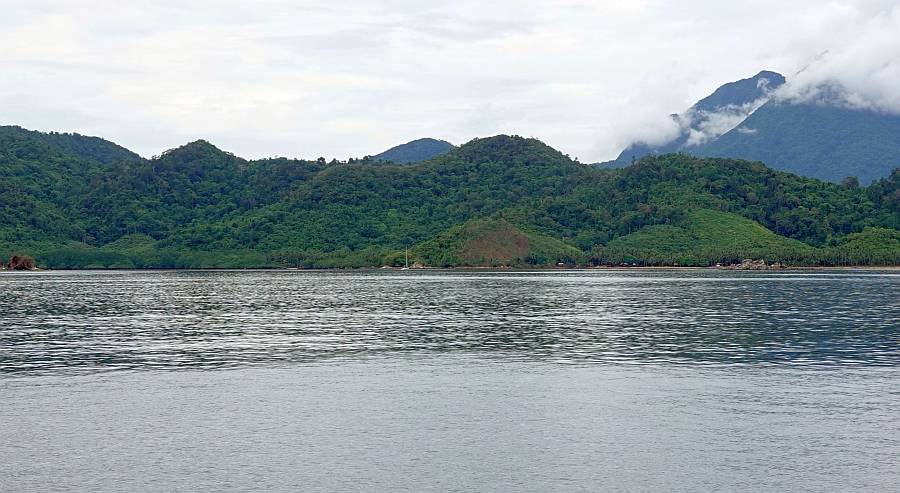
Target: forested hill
<point>73,144</point>
<point>502,200</point>
<point>415,151</point>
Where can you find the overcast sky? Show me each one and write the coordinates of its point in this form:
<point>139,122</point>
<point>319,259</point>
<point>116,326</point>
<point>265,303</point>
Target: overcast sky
<point>349,78</point>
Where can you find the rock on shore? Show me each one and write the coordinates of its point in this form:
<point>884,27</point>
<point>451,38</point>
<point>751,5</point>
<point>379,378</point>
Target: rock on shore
<point>21,262</point>
<point>750,264</point>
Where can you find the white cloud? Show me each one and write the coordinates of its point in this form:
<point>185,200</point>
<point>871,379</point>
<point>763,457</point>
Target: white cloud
<point>860,71</point>
<point>704,126</point>
<point>315,77</point>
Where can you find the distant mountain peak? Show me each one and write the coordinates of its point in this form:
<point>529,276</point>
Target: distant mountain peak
<point>415,151</point>
<point>712,116</point>
<point>428,140</point>
<point>817,133</point>
<point>741,92</point>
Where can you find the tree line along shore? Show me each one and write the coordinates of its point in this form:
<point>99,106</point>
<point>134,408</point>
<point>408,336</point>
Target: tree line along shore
<point>498,201</point>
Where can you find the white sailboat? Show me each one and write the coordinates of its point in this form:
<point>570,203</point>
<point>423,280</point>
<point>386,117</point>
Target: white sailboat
<point>406,264</point>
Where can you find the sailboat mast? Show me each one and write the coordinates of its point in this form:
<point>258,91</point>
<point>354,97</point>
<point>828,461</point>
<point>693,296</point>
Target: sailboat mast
<point>407,258</point>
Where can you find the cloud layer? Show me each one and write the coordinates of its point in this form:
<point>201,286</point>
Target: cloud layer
<point>707,125</point>
<point>317,78</point>
<point>860,71</point>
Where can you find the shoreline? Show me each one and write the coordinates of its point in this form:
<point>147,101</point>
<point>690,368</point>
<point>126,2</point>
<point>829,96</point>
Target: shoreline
<point>469,268</point>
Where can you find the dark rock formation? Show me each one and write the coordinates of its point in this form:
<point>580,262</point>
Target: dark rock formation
<point>21,262</point>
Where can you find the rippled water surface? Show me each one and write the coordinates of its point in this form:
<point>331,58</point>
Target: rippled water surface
<point>669,380</point>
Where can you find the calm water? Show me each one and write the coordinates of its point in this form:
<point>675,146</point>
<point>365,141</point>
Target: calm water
<point>450,381</point>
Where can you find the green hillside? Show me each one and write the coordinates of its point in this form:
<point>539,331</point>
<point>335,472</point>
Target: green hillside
<point>702,237</point>
<point>81,146</point>
<point>416,151</point>
<point>198,206</point>
<point>873,246</point>
<point>829,143</point>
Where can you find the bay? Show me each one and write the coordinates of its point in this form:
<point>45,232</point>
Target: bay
<point>615,380</point>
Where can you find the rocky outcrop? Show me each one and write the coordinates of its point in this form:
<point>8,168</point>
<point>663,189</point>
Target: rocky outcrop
<point>21,262</point>
<point>750,264</point>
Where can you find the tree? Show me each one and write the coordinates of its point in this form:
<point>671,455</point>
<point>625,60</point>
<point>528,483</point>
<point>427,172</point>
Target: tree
<point>850,182</point>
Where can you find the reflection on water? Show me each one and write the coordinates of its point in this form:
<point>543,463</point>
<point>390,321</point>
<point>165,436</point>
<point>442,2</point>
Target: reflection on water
<point>663,380</point>
<point>96,321</point>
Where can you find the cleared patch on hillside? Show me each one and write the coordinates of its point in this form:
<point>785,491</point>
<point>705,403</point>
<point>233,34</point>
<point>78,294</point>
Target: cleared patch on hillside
<point>493,242</point>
